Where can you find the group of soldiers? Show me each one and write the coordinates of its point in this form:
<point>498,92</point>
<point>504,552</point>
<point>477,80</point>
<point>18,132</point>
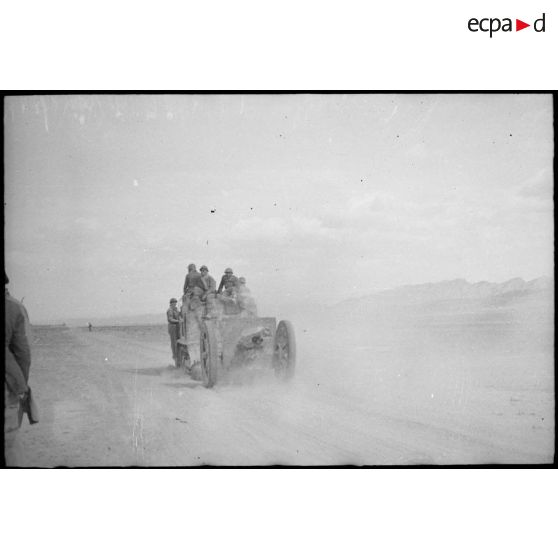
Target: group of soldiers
<point>201,293</point>
<point>206,285</point>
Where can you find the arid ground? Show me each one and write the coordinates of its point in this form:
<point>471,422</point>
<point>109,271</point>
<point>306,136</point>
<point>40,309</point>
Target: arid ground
<point>398,388</point>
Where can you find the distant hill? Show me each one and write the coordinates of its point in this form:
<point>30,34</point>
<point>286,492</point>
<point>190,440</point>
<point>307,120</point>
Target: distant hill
<point>454,295</point>
<point>458,292</point>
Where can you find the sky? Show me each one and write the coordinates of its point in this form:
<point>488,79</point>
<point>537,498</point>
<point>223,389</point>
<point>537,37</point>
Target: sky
<point>312,198</point>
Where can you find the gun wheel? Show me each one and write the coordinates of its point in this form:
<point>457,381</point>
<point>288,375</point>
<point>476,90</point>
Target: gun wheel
<point>284,350</point>
<point>210,361</point>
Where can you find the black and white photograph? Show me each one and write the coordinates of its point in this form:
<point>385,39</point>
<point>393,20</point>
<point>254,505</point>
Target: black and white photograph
<point>279,279</point>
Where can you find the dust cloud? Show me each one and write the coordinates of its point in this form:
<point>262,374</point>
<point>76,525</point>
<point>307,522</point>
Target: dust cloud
<point>454,382</point>
<point>397,382</point>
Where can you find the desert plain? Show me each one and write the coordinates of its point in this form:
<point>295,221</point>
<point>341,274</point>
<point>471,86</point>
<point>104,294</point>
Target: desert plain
<point>408,379</point>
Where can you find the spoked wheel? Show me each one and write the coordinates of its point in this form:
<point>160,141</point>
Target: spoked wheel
<point>210,360</point>
<point>284,350</point>
<point>182,358</point>
<point>178,358</point>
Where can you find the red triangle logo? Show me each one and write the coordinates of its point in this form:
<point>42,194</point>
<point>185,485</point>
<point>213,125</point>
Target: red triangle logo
<point>519,25</point>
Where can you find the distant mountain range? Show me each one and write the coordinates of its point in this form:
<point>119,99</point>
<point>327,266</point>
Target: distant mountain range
<point>452,294</point>
<point>458,290</point>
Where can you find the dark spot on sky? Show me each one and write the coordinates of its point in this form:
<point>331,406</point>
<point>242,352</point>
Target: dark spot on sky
<point>251,208</point>
<point>510,135</point>
<point>213,210</point>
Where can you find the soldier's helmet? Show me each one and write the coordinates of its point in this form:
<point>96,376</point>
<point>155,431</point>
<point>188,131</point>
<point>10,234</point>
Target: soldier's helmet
<point>204,268</point>
<point>228,270</point>
<point>173,300</point>
<point>192,267</point>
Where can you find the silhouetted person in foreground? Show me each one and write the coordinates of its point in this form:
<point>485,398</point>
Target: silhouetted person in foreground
<point>18,399</point>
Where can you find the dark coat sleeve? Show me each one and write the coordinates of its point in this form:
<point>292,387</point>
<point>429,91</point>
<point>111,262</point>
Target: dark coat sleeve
<point>18,356</point>
<point>221,284</point>
<point>19,346</point>
<point>14,375</point>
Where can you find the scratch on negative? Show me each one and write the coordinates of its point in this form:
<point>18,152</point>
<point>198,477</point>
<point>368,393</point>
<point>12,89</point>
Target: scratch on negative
<point>45,111</point>
<point>137,436</point>
<point>137,430</point>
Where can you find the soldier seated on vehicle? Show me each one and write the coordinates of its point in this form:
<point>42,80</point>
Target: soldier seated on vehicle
<point>208,281</point>
<point>228,282</point>
<point>210,292</point>
<point>193,280</point>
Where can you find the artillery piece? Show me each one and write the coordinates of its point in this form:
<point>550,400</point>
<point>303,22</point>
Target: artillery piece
<point>218,338</point>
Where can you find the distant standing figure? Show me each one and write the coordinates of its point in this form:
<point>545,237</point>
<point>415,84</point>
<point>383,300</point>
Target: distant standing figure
<point>89,326</point>
<point>173,319</point>
<point>228,282</point>
<point>17,364</point>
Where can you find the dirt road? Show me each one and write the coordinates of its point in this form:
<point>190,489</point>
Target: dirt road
<point>112,398</point>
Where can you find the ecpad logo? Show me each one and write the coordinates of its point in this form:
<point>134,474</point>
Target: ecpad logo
<point>493,25</point>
